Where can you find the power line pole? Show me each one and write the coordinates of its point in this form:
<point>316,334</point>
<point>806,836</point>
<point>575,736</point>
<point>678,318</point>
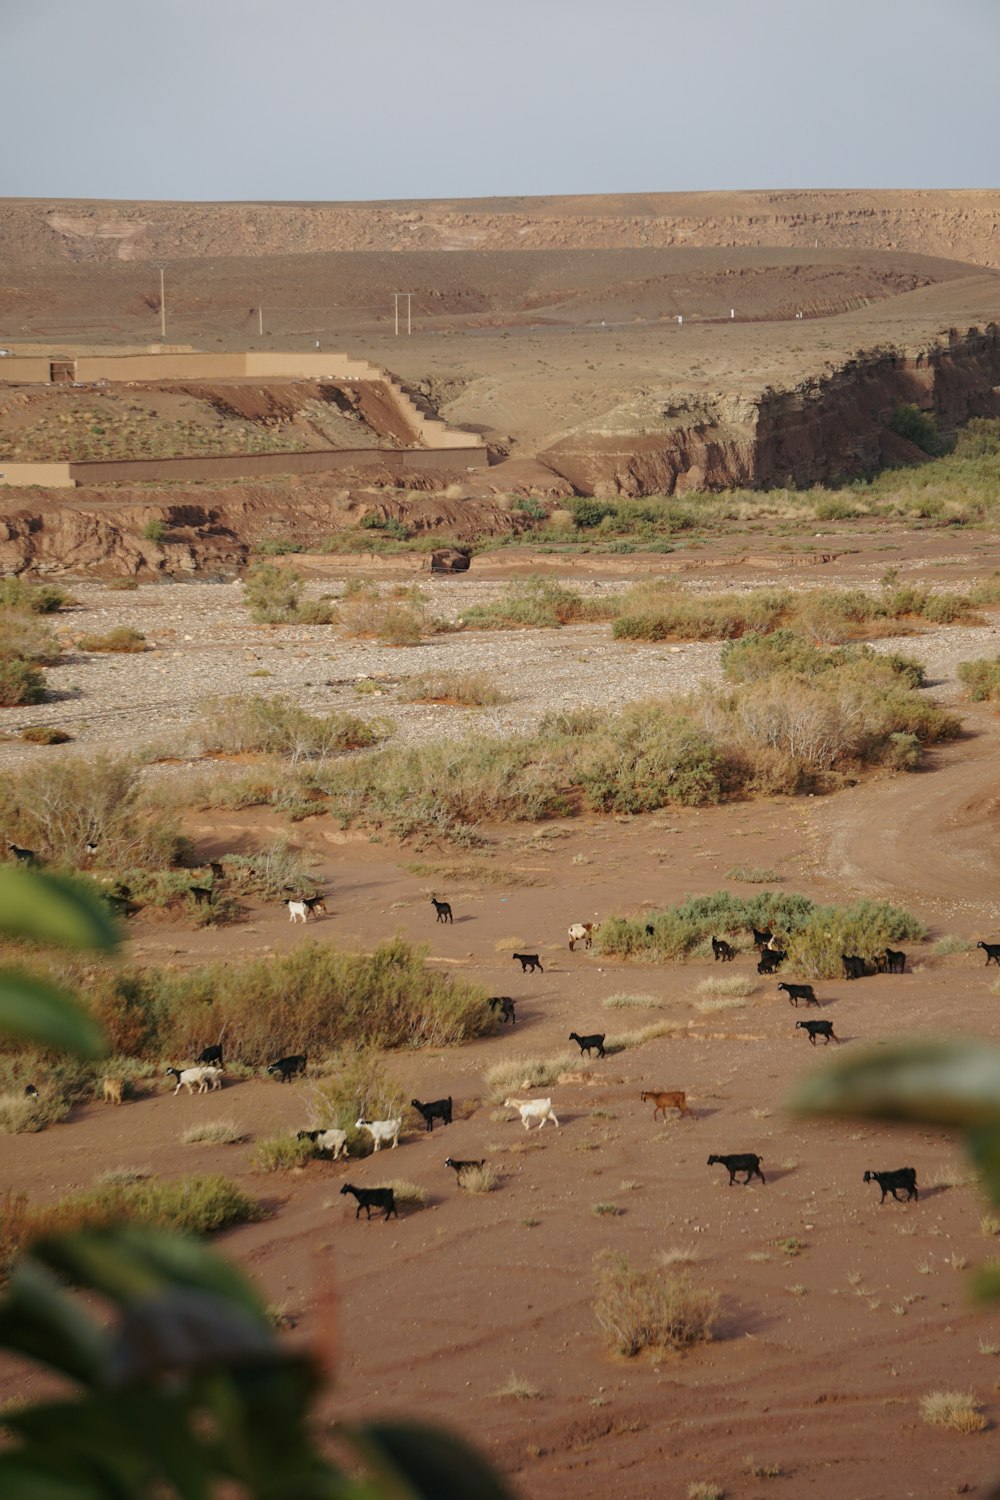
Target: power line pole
<point>409,321</point>
<point>260,320</point>
<point>163,306</point>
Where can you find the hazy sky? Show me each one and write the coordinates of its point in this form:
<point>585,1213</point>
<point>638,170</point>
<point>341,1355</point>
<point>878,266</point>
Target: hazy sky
<point>332,99</point>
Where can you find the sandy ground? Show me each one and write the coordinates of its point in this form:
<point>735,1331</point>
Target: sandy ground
<point>823,1349</point>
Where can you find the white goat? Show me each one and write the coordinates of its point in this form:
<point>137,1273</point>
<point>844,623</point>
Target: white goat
<point>297,910</point>
<point>533,1109</point>
<point>327,1140</point>
<point>382,1130</point>
<point>581,932</point>
<point>205,1078</point>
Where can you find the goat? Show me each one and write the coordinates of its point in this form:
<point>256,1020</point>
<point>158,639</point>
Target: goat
<point>381,1130</point>
<point>529,962</point>
<point>588,1044</point>
<point>722,950</point>
<point>287,1067</point>
<point>211,1055</point>
<point>992,951</point>
<point>458,1167</point>
<point>298,911</point>
<point>205,1078</point>
<point>661,1100</point>
<point>854,967</point>
<point>217,871</point>
<point>23,856</point>
<point>761,939</point>
<point>890,1182</point>
<point>369,1198</point>
<point>797,992</point>
<point>30,1092</point>
<point>581,932</point>
<point>443,909</point>
<point>439,1109</point>
<point>818,1028</point>
<point>113,1090</point>
<point>748,1162</point>
<point>326,1140</point>
<point>314,904</point>
<point>895,962</point>
<point>770,958</point>
<point>533,1109</point>
<point>650,930</point>
<point>202,894</point>
<point>505,1005</point>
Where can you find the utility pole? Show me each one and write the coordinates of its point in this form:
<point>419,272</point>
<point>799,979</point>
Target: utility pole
<point>409,321</point>
<point>260,320</point>
<point>163,306</point>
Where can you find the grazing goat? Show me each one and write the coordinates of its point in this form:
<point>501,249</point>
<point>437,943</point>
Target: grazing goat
<point>326,1140</point>
<point>992,951</point>
<point>529,962</point>
<point>205,1078</point>
<point>30,1092</point>
<point>438,1109</point>
<point>443,909</point>
<point>369,1198</point>
<point>298,911</point>
<point>202,894</point>
<point>650,930</point>
<point>533,1109</point>
<point>113,1090</point>
<point>581,932</point>
<point>505,1005</point>
<point>314,904</point>
<point>818,1028</point>
<point>661,1100</point>
<point>904,1178</point>
<point>761,939</point>
<point>895,963</point>
<point>797,992</point>
<point>722,950</point>
<point>748,1162</point>
<point>770,958</point>
<point>381,1130</point>
<point>589,1044</point>
<point>458,1167</point>
<point>23,856</point>
<point>854,967</point>
<point>212,1055</point>
<point>217,871</point>
<point>287,1067</point>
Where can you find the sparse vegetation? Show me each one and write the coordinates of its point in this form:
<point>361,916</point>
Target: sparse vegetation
<point>20,684</point>
<point>122,638</point>
<point>465,689</point>
<point>282,1153</point>
<point>278,726</point>
<point>274,597</point>
<point>982,678</point>
<point>38,598</point>
<point>44,734</point>
<point>753,874</point>
<point>214,1133</point>
<point>529,1073</point>
<point>651,1309</point>
<point>961,1411</point>
<point>517,1389</point>
<point>484,1179</point>
<point>59,806</point>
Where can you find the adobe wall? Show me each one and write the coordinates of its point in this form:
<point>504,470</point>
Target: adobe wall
<point>395,461</point>
<point>53,476</point>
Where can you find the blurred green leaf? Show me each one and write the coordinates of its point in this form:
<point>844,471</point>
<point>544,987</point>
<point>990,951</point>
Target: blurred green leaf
<point>125,1264</point>
<point>52,909</point>
<point>421,1463</point>
<point>33,1011</point>
<point>39,1321</point>
<point>940,1083</point>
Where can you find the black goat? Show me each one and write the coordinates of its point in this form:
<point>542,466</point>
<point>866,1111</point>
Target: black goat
<point>30,1092</point>
<point>770,958</point>
<point>818,1028</point>
<point>369,1198</point>
<point>904,1179</point>
<point>202,895</point>
<point>218,872</point>
<point>529,962</point>
<point>287,1067</point>
<point>854,967</point>
<point>895,963</point>
<point>992,950</point>
<point>797,992</point>
<point>458,1167</point>
<point>438,1109</point>
<point>748,1162</point>
<point>650,929</point>
<point>23,856</point>
<point>313,904</point>
<point>505,1005</point>
<point>722,950</point>
<point>761,939</point>
<point>211,1055</point>
<point>443,909</point>
<point>588,1044</point>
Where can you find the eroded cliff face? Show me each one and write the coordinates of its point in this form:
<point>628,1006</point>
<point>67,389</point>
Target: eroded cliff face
<point>827,429</point>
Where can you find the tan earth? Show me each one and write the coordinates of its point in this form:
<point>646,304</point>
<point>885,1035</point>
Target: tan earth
<point>838,1314</point>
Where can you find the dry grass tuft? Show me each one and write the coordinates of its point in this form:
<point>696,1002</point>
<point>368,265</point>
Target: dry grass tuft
<point>528,1073</point>
<point>516,1388</point>
<point>733,986</point>
<point>702,1489</point>
<point>214,1133</point>
<point>632,1002</point>
<point>959,1410</point>
<point>651,1309</point>
<point>484,1179</point>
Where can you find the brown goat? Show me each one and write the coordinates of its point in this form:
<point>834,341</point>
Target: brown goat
<point>664,1101</point>
<point>114,1089</point>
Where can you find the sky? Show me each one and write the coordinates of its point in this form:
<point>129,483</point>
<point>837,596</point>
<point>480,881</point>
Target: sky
<point>372,99</point>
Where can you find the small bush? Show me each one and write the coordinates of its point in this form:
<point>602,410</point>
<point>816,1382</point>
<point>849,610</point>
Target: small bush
<point>753,874</point>
<point>25,638</point>
<point>538,603</point>
<point>278,726</point>
<point>959,1410</point>
<point>631,1002</point>
<point>60,805</point>
<point>918,427</point>
<point>982,678</point>
<point>407,1194</point>
<point>270,873</point>
<point>946,946</point>
<point>274,597</point>
<point>154,530</point>
<point>702,1489</point>
<point>122,585</point>
<point>280,1153</point>
<point>44,734</point>
<point>20,684</point>
<point>123,638</point>
<point>484,1179</point>
<point>466,689</point>
<point>214,1133</point>
<point>651,1309</point>
<point>515,1074</point>
<point>733,986</point>
<point>38,598</point>
<point>517,1389</point>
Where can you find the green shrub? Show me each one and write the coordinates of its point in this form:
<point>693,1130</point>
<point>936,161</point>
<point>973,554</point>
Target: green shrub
<point>60,806</point>
<point>44,734</point>
<point>649,757</point>
<point>538,603</point>
<point>20,684</point>
<point>37,598</point>
<point>280,1153</point>
<point>122,585</point>
<point>588,512</point>
<point>918,427</point>
<point>23,637</point>
<point>269,873</point>
<point>278,726</point>
<point>154,530</point>
<point>274,597</point>
<point>468,689</point>
<point>122,638</point>
<point>982,678</point>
